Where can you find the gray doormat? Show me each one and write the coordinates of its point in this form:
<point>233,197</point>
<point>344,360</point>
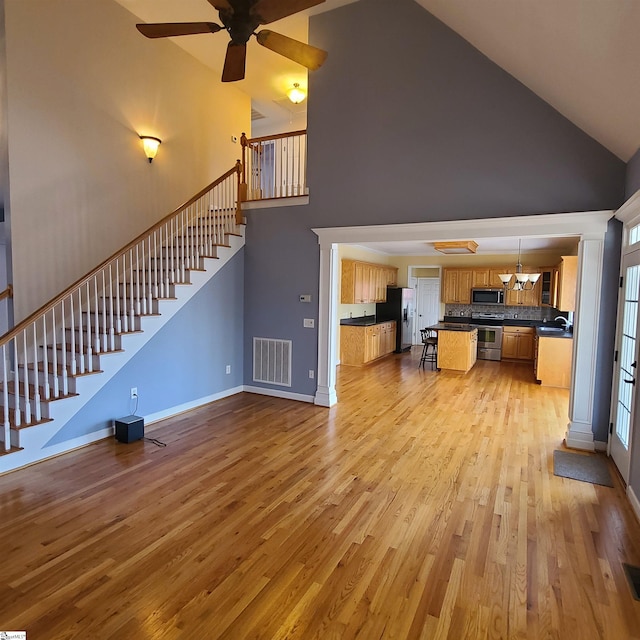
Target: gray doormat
<point>578,466</point>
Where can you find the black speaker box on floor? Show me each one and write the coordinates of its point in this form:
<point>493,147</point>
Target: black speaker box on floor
<point>129,429</point>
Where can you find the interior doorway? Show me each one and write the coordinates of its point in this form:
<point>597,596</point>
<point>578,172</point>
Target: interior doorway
<point>427,302</point>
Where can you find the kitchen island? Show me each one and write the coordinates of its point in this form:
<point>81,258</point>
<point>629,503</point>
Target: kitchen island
<point>457,345</point>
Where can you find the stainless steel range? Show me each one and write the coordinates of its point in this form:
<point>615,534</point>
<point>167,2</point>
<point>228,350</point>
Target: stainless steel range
<point>489,335</point>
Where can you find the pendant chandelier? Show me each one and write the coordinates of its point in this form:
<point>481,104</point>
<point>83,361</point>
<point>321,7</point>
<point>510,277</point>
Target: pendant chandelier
<point>523,281</point>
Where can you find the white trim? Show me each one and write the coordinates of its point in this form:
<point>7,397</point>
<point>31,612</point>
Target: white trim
<point>633,499</point>
<point>600,446</point>
<point>272,203</point>
<point>584,224</point>
<point>630,209</point>
<point>188,406</point>
<point>276,393</point>
<point>588,226</point>
<point>585,344</point>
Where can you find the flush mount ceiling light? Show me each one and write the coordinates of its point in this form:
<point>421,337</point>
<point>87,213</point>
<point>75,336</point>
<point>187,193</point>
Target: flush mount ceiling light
<point>296,94</point>
<point>459,246</point>
<point>523,281</point>
<point>150,144</point>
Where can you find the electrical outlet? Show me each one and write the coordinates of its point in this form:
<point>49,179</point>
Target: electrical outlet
<point>228,369</point>
<point>312,374</point>
<point>134,392</point>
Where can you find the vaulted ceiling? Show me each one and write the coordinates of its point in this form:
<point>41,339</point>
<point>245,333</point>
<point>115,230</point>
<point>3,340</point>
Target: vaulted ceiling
<point>580,56</point>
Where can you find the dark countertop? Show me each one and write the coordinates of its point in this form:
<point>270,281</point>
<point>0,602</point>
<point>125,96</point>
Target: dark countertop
<point>361,321</point>
<point>510,322</point>
<point>453,326</point>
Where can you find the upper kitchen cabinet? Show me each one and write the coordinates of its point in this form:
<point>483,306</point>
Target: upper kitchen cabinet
<point>567,277</point>
<point>548,286</point>
<point>487,278</point>
<point>365,282</point>
<point>456,286</point>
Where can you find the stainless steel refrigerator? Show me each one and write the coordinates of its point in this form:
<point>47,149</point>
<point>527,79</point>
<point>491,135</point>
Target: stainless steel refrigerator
<point>398,307</point>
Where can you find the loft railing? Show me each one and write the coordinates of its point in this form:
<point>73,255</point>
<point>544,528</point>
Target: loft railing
<point>63,338</point>
<point>274,166</point>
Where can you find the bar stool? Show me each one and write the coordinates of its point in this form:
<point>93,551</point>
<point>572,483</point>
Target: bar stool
<point>429,348</point>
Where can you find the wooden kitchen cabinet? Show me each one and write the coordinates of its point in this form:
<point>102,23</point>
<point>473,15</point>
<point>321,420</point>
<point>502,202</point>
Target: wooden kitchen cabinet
<point>360,345</point>
<point>518,343</point>
<point>567,277</point>
<point>553,361</point>
<point>456,286</point>
<point>457,350</point>
<point>480,278</point>
<point>365,282</point>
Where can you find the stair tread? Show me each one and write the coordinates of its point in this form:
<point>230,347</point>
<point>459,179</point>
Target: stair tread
<point>11,388</point>
<point>24,425</point>
<point>84,349</point>
<point>11,450</point>
<point>69,374</point>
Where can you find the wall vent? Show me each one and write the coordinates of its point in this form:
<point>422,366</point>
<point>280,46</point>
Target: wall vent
<point>272,361</point>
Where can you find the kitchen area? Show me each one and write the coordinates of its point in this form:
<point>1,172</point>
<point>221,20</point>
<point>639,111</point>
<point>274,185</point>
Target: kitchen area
<point>489,312</point>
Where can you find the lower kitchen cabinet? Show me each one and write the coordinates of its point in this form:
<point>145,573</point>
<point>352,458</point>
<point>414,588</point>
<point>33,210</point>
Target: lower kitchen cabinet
<point>517,343</point>
<point>457,350</point>
<point>553,362</point>
<point>362,344</point>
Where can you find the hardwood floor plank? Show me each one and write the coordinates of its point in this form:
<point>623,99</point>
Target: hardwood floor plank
<point>423,505</point>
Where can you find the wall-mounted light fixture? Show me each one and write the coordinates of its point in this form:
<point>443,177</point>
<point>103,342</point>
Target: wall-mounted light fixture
<point>150,144</point>
<point>296,94</point>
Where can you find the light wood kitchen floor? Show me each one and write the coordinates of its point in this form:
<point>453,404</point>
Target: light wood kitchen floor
<point>423,505</point>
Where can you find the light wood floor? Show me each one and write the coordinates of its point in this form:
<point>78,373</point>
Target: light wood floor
<point>423,505</point>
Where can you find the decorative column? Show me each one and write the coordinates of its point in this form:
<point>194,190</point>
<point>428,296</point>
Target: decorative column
<point>327,329</point>
<point>585,340</point>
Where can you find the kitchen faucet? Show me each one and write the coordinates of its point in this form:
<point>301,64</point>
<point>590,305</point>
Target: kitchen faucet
<point>567,324</point>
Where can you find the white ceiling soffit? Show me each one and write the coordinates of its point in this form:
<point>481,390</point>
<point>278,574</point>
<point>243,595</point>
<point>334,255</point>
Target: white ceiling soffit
<point>486,246</point>
<point>580,56</point>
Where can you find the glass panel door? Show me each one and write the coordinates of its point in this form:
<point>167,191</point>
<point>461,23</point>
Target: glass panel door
<point>627,367</point>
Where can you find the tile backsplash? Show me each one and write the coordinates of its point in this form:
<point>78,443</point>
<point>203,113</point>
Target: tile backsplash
<point>522,313</point>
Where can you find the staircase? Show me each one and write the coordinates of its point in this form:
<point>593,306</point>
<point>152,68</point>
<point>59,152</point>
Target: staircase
<point>62,355</point>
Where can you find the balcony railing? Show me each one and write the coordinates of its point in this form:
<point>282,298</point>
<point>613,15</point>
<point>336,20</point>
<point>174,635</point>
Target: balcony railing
<point>274,166</point>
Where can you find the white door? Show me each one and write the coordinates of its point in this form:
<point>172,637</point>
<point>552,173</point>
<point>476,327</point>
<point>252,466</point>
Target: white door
<point>625,412</point>
<point>427,302</point>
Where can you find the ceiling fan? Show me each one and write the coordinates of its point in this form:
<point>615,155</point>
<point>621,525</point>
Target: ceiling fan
<point>241,18</point>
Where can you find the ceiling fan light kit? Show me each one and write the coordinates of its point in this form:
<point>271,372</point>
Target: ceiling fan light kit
<point>241,18</point>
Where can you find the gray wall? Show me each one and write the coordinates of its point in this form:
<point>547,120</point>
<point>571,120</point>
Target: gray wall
<point>607,338</point>
<point>408,122</point>
<point>633,175</point>
<point>184,362</point>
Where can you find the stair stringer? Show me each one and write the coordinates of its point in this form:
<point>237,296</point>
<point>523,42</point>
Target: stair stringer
<point>33,440</point>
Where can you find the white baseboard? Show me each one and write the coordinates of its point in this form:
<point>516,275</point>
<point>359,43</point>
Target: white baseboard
<point>276,393</point>
<point>188,406</point>
<point>633,499</point>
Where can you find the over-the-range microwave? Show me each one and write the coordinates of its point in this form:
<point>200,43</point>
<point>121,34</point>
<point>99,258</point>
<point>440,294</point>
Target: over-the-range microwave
<point>487,296</point>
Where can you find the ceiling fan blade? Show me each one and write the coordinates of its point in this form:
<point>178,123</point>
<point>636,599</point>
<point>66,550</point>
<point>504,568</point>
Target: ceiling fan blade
<point>234,62</point>
<point>221,5</point>
<point>170,29</point>
<point>267,11</point>
<point>304,54</point>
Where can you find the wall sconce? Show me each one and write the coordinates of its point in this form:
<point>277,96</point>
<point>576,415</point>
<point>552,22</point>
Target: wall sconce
<point>296,94</point>
<point>150,144</point>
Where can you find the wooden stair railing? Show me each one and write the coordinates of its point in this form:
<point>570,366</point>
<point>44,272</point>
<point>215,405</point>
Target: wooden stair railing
<point>43,354</point>
<point>274,166</point>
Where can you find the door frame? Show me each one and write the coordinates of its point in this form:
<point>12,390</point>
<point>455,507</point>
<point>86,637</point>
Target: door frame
<point>629,215</point>
<point>590,227</point>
